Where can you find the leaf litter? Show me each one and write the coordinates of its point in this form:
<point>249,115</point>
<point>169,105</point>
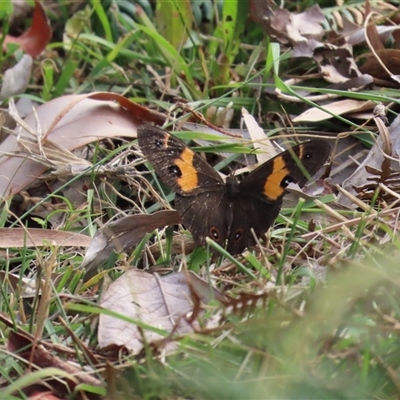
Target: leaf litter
<point>143,309</point>
<point>170,303</point>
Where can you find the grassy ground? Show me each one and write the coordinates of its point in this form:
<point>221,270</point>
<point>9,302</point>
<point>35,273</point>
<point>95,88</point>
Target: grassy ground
<point>309,317</point>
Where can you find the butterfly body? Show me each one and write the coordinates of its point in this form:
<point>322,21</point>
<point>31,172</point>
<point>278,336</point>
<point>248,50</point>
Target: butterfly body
<point>227,211</point>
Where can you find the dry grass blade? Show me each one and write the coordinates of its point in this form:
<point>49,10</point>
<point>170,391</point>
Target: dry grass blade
<point>45,287</point>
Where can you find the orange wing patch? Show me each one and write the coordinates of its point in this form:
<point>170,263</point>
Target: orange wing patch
<point>189,179</point>
<point>272,187</point>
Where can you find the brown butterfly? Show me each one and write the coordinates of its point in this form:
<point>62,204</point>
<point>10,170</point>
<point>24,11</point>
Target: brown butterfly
<point>227,211</point>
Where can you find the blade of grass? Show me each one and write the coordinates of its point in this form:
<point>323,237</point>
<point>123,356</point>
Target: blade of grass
<point>101,14</point>
<point>288,240</point>
<point>225,254</point>
<point>171,56</point>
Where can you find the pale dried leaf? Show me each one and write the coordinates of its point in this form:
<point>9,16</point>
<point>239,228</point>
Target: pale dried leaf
<point>36,237</point>
<point>355,34</point>
<point>20,12</point>
<point>306,48</point>
<point>306,25</point>
<point>293,28</point>
<point>260,139</point>
<point>70,122</point>
<point>24,286</point>
<point>124,233</point>
<point>16,79</point>
<point>220,116</point>
<point>353,84</point>
<point>331,74</point>
<point>337,63</point>
<point>395,78</point>
<point>336,108</point>
<point>311,191</point>
<point>374,160</point>
<point>162,302</point>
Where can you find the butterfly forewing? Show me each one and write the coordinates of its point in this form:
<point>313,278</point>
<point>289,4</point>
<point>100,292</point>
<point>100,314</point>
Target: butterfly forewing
<point>297,165</point>
<point>200,198</point>
<point>176,164</point>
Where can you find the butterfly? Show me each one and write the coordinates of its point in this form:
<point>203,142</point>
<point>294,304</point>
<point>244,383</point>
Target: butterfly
<point>228,211</point>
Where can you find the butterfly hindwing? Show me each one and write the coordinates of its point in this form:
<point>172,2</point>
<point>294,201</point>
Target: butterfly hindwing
<point>264,214</point>
<point>204,215</point>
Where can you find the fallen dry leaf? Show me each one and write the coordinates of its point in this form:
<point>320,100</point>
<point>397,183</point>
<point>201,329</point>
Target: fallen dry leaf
<point>336,63</point>
<point>122,234</point>
<point>16,79</point>
<point>220,116</point>
<point>71,122</point>
<point>354,84</point>
<point>163,302</point>
<point>336,108</point>
<point>288,27</point>
<point>36,38</point>
<point>36,237</point>
<point>390,58</point>
<point>355,34</point>
<point>372,35</point>
<point>373,162</point>
<point>261,140</point>
<point>13,283</point>
<point>34,352</point>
